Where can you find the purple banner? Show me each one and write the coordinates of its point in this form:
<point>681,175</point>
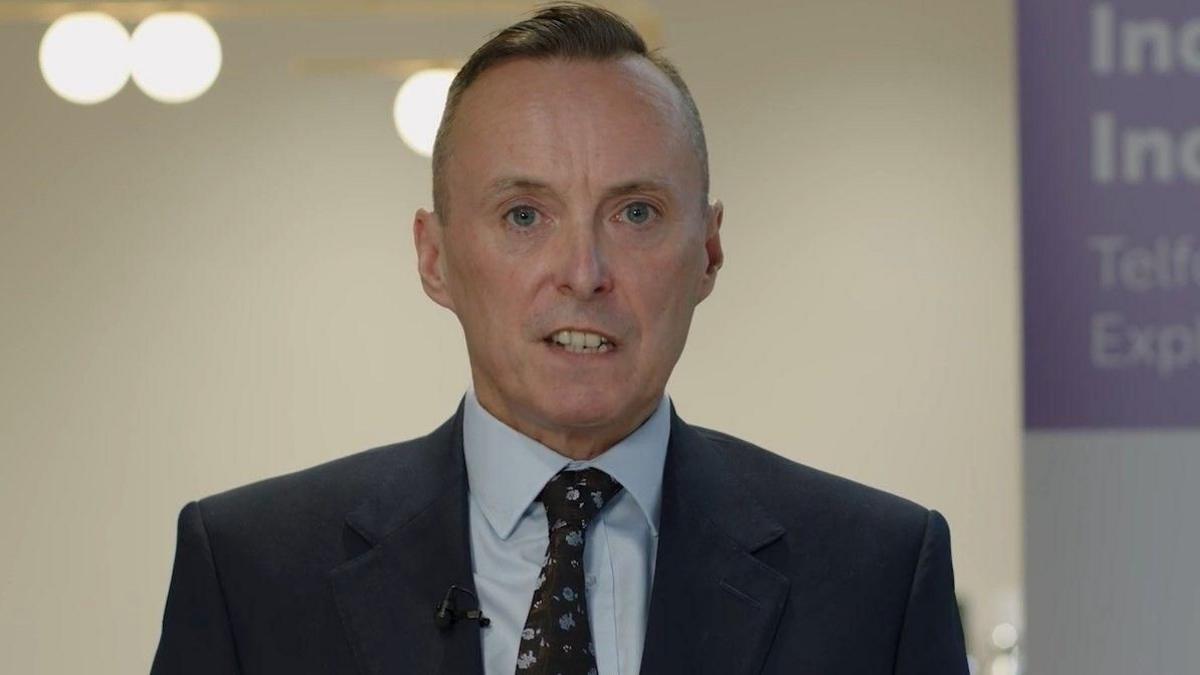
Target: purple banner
<point>1110,163</point>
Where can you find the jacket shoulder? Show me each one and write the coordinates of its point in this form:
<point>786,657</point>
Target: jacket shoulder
<point>800,496</point>
<point>303,513</point>
<point>328,486</point>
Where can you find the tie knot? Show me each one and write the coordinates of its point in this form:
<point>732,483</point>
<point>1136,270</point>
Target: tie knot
<point>575,497</point>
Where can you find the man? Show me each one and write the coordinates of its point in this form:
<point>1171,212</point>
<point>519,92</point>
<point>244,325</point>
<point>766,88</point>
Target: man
<point>565,519</point>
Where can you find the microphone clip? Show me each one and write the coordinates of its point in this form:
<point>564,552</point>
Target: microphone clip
<point>447,613</point>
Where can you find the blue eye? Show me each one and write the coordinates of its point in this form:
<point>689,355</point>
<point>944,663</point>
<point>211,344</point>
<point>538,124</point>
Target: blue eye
<point>638,212</point>
<point>522,216</point>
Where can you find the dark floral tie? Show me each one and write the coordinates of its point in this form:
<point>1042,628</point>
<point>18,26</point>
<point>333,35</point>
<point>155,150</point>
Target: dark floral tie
<point>557,639</point>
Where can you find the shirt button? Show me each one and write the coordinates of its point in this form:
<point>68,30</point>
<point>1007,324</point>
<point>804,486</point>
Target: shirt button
<point>590,580</point>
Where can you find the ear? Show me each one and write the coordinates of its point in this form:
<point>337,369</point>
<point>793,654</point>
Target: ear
<point>429,238</point>
<point>712,247</point>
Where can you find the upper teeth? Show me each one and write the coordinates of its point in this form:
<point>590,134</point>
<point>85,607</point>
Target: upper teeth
<point>578,339</point>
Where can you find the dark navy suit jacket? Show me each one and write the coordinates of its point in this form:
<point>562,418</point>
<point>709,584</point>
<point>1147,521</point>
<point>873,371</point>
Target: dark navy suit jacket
<point>764,566</point>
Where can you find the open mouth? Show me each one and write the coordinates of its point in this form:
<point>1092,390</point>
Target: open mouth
<point>580,342</point>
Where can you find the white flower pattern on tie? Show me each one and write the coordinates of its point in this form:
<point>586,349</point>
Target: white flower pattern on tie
<point>525,660</point>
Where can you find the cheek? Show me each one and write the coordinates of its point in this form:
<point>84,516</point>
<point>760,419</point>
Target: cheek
<point>488,288</point>
<point>666,296</point>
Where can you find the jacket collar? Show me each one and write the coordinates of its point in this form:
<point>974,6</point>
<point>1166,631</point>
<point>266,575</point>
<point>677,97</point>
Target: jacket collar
<point>714,605</point>
<point>415,523</point>
<point>411,478</point>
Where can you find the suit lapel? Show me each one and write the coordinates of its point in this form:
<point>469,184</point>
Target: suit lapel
<point>714,606</point>
<point>416,525</point>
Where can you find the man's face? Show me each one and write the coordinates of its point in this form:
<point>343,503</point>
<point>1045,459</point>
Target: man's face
<point>575,205</point>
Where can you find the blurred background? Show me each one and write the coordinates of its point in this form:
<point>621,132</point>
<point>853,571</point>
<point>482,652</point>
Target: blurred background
<point>207,274</point>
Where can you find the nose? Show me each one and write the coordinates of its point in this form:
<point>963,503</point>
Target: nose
<point>582,266</point>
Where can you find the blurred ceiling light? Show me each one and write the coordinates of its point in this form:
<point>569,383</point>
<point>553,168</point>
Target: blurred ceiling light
<point>1005,636</point>
<point>418,108</point>
<point>176,56</point>
<point>84,57</point>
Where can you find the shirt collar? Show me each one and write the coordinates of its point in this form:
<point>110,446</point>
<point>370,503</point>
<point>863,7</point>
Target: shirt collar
<point>506,470</point>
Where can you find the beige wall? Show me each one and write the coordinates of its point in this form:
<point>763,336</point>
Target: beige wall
<point>196,297</point>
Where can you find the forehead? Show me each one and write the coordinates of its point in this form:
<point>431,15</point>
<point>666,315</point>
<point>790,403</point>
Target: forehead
<point>571,121</point>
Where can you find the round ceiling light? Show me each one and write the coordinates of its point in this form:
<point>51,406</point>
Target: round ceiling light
<point>176,56</point>
<point>84,57</point>
<point>418,108</point>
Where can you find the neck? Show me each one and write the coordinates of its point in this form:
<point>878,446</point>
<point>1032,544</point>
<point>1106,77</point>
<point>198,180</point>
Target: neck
<point>574,442</point>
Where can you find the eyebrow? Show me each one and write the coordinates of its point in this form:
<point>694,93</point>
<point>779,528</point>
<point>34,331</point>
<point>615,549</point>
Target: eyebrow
<point>511,183</point>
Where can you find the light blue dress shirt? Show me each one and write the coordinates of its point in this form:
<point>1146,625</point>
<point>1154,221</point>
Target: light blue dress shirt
<point>506,471</point>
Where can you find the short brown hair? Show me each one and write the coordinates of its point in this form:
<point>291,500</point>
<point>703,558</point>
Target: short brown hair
<point>569,30</point>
